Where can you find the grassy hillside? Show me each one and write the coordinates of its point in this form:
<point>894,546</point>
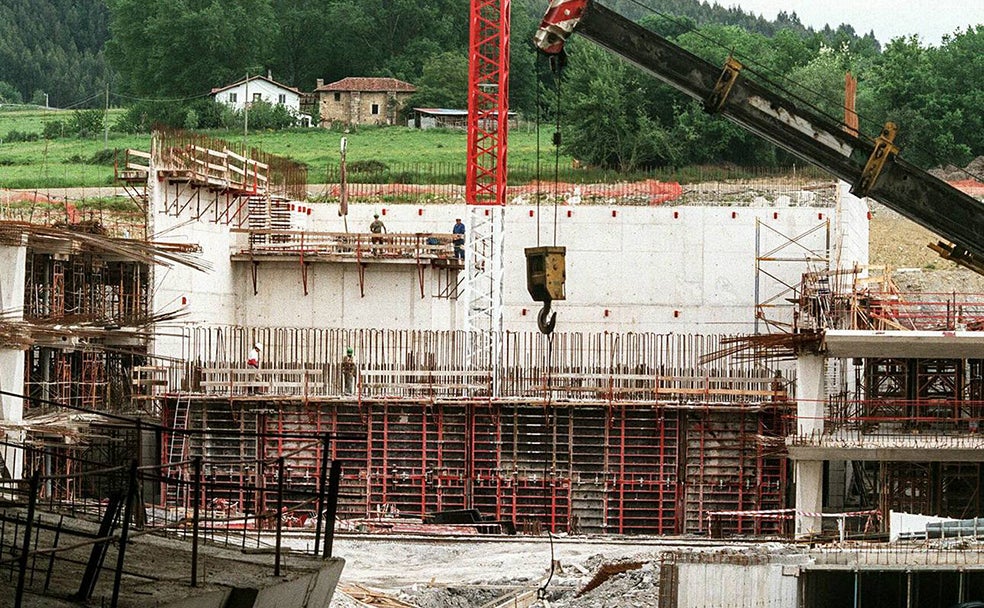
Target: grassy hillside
<point>74,162</point>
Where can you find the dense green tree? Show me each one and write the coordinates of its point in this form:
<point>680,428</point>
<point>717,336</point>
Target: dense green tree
<point>958,65</point>
<point>299,54</point>
<point>617,116</point>
<point>183,48</point>
<point>55,47</point>
<point>444,83</point>
<point>9,93</point>
<point>608,115</point>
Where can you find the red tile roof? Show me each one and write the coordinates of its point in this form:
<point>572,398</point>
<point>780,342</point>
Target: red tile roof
<point>369,84</point>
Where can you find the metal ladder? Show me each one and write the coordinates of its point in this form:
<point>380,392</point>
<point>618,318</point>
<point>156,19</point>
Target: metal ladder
<point>177,450</point>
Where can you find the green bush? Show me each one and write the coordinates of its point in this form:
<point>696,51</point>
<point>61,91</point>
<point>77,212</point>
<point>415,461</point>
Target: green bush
<point>191,119</point>
<point>143,117</point>
<point>263,116</point>
<point>367,166</point>
<point>54,129</point>
<point>102,157</point>
<point>86,123</point>
<point>105,157</point>
<point>9,93</point>
<point>18,136</point>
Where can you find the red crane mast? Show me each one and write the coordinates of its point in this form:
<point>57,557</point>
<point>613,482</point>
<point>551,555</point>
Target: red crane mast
<point>488,102</point>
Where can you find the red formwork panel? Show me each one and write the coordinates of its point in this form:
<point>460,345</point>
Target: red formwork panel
<point>531,503</point>
<point>733,463</point>
<point>616,468</point>
<point>641,487</point>
<point>412,470</point>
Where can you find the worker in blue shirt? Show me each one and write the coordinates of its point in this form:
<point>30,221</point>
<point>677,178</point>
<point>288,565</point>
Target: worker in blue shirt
<point>459,239</point>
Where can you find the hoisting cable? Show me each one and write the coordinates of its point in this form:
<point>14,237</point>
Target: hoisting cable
<point>541,593</point>
<point>556,66</point>
<point>539,110</point>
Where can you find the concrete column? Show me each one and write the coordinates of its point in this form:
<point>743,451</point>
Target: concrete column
<point>13,259</point>
<point>810,394</point>
<point>808,475</point>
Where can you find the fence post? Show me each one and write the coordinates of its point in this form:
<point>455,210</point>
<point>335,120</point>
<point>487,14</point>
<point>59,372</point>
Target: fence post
<point>332,508</point>
<point>197,468</point>
<point>280,509</point>
<point>32,500</point>
<point>131,497</point>
<point>322,481</point>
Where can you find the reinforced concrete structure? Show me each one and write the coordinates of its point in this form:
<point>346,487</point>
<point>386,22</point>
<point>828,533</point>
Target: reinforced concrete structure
<point>722,367</point>
<point>612,425</point>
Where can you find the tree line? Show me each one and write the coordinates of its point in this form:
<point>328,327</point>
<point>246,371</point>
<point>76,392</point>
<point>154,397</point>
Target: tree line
<point>160,58</point>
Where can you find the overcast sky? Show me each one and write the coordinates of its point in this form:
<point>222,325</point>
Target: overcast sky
<point>930,19</point>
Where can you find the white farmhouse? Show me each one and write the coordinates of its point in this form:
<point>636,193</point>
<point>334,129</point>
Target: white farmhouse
<point>260,88</point>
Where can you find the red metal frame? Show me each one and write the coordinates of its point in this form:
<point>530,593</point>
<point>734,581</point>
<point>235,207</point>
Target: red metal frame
<point>488,102</point>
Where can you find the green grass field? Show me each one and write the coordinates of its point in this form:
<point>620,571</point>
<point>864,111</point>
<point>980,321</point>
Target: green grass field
<point>70,162</point>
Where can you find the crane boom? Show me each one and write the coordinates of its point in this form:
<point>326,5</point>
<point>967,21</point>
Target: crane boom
<point>873,168</point>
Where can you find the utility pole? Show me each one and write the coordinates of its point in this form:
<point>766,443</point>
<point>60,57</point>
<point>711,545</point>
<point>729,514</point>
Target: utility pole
<point>343,186</point>
<point>246,117</point>
<point>106,121</point>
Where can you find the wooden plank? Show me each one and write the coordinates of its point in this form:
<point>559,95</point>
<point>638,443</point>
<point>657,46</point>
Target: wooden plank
<point>517,599</point>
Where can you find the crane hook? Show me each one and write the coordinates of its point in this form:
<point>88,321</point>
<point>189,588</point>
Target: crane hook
<point>546,326</point>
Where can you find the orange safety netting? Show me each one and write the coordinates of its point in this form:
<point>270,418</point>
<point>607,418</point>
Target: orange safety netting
<point>8,197</point>
<point>969,186</point>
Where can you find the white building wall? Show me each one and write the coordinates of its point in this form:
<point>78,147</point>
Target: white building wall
<point>268,92</point>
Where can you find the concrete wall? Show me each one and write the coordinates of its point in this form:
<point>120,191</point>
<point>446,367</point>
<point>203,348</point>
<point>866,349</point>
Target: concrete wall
<point>13,260</point>
<point>701,585</point>
<point>313,590</point>
<point>392,299</point>
<point>201,297</point>
<point>668,268</point>
<point>851,228</point>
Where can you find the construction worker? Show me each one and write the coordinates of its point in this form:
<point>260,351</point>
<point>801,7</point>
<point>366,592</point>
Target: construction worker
<point>459,239</point>
<point>377,227</point>
<point>253,362</point>
<point>348,372</point>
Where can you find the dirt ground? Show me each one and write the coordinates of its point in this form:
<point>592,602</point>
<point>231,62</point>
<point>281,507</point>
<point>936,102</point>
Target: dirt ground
<point>903,245</point>
<point>473,572</point>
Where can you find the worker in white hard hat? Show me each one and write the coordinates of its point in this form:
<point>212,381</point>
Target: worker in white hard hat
<point>348,372</point>
<point>253,360</point>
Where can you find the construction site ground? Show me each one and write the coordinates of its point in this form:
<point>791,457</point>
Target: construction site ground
<point>473,572</point>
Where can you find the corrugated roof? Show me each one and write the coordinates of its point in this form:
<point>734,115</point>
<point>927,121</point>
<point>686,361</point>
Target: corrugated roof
<point>441,112</point>
<point>353,83</point>
<point>451,112</point>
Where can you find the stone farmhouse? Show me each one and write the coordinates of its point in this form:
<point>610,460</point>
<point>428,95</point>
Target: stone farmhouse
<point>363,101</point>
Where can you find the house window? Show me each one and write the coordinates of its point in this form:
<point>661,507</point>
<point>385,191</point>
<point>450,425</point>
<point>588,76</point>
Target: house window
<point>282,99</point>
<point>375,109</point>
<point>257,97</point>
<point>232,98</point>
<point>338,96</point>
